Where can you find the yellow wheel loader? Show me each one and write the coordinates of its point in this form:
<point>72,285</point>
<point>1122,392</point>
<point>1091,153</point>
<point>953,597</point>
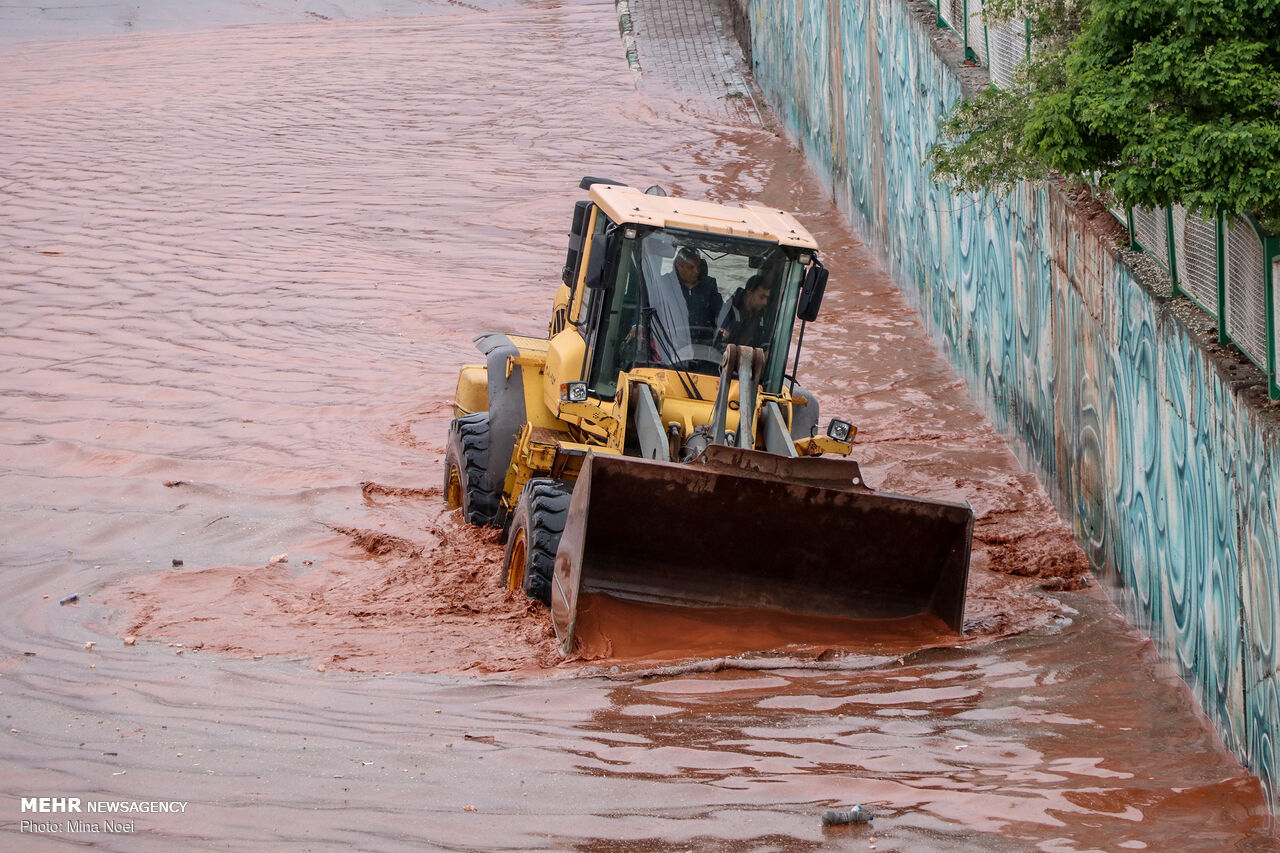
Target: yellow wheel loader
<point>655,446</point>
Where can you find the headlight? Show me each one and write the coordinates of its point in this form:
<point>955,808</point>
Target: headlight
<point>573,392</point>
<point>839,430</point>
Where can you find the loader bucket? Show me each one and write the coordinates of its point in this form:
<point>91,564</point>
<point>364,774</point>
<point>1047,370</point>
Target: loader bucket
<point>741,528</point>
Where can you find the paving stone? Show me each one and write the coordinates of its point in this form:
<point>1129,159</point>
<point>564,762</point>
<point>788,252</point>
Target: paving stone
<point>689,46</point>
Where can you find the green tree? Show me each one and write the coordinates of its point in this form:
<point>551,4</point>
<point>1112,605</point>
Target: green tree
<point>1158,101</point>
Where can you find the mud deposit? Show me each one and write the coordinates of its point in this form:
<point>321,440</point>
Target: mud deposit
<point>239,269</point>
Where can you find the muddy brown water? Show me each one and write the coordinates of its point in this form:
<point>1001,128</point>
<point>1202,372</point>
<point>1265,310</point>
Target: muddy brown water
<point>240,268</point>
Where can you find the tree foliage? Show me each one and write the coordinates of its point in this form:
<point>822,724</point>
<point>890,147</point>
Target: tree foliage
<point>1159,101</point>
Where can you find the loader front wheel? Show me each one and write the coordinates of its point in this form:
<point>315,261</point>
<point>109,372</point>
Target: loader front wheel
<point>465,463</point>
<point>534,537</point>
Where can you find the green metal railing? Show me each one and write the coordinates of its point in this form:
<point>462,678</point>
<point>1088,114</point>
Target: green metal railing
<point>1228,266</point>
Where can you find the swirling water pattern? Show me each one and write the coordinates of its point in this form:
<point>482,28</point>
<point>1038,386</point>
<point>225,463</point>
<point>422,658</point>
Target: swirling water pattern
<point>1170,476</point>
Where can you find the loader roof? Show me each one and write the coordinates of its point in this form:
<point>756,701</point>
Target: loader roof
<point>630,205</point>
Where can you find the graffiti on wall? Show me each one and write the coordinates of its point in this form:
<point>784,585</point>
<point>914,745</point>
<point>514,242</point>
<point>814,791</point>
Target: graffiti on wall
<point>1170,479</point>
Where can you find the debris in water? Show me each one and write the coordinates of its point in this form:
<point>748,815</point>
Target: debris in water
<point>279,558</point>
<point>70,599</point>
<point>177,564</point>
<point>857,814</point>
<point>130,640</point>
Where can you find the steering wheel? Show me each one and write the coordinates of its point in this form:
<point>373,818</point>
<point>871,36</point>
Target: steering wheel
<point>704,357</point>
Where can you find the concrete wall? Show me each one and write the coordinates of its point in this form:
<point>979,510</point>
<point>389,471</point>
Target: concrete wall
<point>1166,463</point>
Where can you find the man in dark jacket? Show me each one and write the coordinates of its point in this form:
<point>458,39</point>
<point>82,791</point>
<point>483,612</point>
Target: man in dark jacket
<point>702,298</point>
<point>742,320</point>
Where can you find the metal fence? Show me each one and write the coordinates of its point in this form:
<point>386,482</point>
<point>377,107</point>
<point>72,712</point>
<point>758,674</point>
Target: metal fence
<point>1228,267</point>
<point>1001,49</point>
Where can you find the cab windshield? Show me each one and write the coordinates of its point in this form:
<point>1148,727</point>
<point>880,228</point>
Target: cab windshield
<point>678,299</point>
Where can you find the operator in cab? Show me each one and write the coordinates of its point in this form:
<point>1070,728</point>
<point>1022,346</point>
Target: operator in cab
<point>702,298</point>
<point>743,320</point>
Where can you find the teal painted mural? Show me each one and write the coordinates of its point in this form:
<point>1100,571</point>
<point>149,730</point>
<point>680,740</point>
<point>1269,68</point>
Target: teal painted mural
<point>1169,471</point>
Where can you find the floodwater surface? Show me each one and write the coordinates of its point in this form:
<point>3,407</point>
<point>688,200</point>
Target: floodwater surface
<point>240,268</point>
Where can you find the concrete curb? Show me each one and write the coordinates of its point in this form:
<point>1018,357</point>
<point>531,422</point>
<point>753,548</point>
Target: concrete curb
<point>629,40</point>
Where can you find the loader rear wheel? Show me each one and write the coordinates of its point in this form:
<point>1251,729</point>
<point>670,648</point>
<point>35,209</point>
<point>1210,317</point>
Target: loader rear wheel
<point>534,537</point>
<point>465,464</point>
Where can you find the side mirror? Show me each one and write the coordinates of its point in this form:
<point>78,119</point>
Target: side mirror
<point>595,261</point>
<point>811,290</point>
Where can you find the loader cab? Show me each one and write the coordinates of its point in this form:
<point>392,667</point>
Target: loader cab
<point>675,298</point>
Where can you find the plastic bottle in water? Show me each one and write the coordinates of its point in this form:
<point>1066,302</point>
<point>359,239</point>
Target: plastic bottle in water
<point>857,814</point>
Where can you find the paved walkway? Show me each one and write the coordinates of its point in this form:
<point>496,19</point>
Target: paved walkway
<point>689,46</point>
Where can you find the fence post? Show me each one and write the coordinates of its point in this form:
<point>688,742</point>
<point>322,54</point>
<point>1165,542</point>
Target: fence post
<point>1220,250</point>
<point>969,55</point>
<point>1173,250</point>
<point>1270,254</point>
<point>986,43</point>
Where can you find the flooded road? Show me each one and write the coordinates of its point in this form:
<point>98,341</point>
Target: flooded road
<point>239,269</point>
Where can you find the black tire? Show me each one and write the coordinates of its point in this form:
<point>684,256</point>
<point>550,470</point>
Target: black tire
<point>465,460</point>
<point>534,537</point>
